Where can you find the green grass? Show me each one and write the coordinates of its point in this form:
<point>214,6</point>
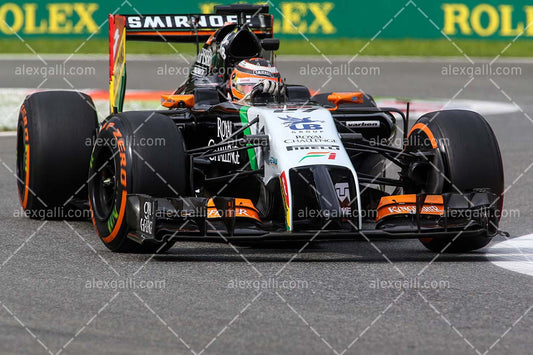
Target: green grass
<point>410,47</point>
<point>381,47</point>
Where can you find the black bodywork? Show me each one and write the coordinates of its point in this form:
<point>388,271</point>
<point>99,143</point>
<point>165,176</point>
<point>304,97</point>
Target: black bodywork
<point>219,165</point>
<point>214,172</point>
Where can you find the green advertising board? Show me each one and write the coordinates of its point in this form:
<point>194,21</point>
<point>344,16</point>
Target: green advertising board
<point>385,19</point>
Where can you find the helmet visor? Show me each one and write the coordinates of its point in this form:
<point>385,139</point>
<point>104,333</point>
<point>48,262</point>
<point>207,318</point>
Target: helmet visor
<point>245,85</point>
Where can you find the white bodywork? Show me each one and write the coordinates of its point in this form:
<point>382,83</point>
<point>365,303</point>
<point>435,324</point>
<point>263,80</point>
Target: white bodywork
<point>298,136</point>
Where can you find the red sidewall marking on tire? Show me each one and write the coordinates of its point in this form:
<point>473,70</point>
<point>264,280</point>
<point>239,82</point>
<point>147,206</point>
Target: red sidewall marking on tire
<point>24,198</point>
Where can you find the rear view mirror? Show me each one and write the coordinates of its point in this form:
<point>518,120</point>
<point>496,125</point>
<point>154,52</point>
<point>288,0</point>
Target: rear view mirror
<point>337,98</point>
<point>270,44</point>
<point>177,101</point>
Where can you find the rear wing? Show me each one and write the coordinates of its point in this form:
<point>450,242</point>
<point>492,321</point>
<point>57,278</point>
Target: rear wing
<point>188,28</point>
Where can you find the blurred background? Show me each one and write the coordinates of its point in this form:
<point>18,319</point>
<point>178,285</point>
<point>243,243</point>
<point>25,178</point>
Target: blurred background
<point>424,27</point>
<point>391,49</point>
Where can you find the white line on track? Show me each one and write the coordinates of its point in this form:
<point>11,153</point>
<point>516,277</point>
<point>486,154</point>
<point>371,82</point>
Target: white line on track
<point>515,254</point>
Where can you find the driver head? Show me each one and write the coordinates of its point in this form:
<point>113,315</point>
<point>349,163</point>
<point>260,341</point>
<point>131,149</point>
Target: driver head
<point>248,73</point>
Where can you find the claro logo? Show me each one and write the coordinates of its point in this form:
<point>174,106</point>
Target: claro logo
<point>54,18</point>
<point>486,20</point>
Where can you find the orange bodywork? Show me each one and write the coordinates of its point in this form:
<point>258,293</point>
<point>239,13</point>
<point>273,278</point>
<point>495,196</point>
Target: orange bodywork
<point>337,98</point>
<point>406,204</point>
<point>244,208</point>
<point>173,101</point>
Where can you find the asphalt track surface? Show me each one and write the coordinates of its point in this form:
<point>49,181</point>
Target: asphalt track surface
<point>48,269</point>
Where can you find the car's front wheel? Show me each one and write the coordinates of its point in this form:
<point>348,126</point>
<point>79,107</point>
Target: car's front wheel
<point>467,158</point>
<point>135,153</point>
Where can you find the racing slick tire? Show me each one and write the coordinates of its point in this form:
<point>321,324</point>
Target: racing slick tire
<point>55,134</point>
<point>469,158</point>
<point>139,152</point>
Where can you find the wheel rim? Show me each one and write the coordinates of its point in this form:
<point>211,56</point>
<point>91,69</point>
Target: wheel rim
<point>419,141</point>
<point>104,184</point>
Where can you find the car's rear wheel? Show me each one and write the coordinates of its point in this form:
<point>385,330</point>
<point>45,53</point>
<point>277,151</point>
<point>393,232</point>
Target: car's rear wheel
<point>468,157</point>
<point>135,153</point>
<point>55,134</point>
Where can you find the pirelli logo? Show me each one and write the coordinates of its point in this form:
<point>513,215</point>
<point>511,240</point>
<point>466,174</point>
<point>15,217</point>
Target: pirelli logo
<point>310,147</point>
<point>167,22</point>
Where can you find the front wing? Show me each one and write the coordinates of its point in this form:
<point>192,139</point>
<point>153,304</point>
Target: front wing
<point>223,219</point>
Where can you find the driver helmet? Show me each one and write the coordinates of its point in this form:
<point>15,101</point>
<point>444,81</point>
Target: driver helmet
<point>249,73</point>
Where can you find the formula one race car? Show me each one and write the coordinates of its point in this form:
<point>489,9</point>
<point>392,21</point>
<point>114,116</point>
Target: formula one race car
<point>240,156</point>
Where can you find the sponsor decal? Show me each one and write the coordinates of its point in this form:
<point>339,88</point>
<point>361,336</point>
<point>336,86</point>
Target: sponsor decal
<point>257,69</point>
<point>205,56</point>
<point>263,72</point>
<point>222,47</point>
<point>343,191</point>
<point>486,20</point>
<point>343,194</point>
<point>301,123</point>
<point>239,212</point>
<point>272,161</point>
<point>121,152</point>
<point>165,22</point>
<point>304,17</point>
<point>146,222</point>
<point>362,124</point>
<point>309,139</point>
<point>330,155</point>
<point>53,18</point>
<point>115,215</point>
<point>231,157</point>
<point>112,221</point>
<point>203,63</point>
<point>409,209</point>
<point>244,209</point>
<point>224,130</point>
<point>309,147</point>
